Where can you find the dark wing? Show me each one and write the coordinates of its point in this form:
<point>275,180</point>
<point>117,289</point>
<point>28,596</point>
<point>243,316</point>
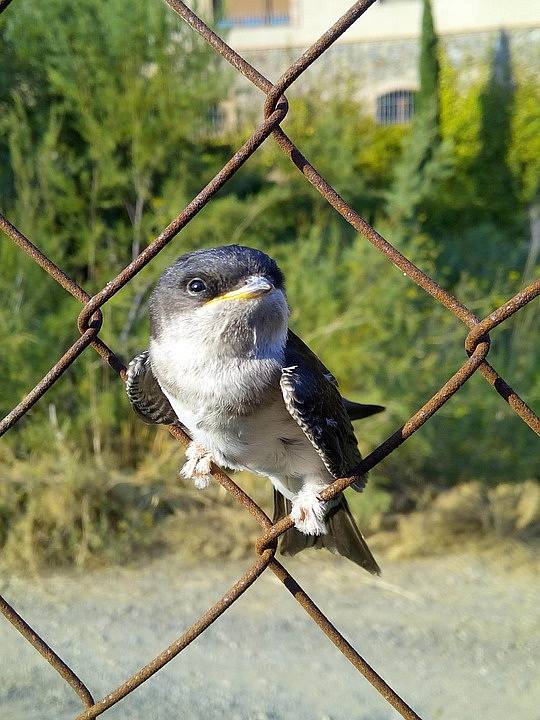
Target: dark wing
<point>357,411</point>
<point>312,398</point>
<point>145,394</point>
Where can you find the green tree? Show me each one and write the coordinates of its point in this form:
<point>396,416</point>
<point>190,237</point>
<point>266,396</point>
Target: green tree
<point>495,182</point>
<point>103,121</point>
<point>427,97</point>
<point>425,162</point>
<point>479,212</point>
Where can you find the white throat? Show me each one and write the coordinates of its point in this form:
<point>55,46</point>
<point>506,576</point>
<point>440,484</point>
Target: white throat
<point>223,355</point>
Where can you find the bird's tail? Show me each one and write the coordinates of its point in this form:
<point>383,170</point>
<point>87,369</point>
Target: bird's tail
<point>342,537</point>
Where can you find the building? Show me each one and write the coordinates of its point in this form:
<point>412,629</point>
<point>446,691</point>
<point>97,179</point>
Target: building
<point>380,50</point>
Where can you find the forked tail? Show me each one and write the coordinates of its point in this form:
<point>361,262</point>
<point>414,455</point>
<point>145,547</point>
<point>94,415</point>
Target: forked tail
<point>342,538</point>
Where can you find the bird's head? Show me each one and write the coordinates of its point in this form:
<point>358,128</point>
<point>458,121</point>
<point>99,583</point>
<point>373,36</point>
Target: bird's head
<point>231,296</point>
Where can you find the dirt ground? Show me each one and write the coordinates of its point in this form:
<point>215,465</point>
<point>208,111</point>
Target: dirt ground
<point>457,638</point>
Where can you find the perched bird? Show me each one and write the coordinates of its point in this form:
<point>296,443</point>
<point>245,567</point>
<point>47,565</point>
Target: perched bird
<point>251,395</point>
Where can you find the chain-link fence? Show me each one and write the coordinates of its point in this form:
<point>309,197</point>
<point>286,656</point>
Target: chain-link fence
<point>89,322</point>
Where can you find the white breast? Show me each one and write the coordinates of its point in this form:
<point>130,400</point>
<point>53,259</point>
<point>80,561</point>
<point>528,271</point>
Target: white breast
<point>208,395</point>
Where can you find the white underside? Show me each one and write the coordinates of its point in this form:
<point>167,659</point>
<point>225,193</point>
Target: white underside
<point>208,390</point>
<point>253,442</point>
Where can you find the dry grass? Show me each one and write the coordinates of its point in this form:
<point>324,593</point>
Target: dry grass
<point>57,510</point>
<point>502,519</point>
<point>61,511</point>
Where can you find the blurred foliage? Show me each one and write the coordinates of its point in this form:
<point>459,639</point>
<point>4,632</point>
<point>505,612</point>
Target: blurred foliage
<point>427,97</point>
<point>468,516</point>
<point>106,135</point>
<point>426,161</point>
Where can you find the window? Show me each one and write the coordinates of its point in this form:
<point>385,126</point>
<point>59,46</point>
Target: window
<point>250,13</point>
<point>395,107</point>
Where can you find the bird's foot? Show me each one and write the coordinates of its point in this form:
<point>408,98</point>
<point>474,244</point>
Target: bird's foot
<point>308,513</point>
<point>198,465</point>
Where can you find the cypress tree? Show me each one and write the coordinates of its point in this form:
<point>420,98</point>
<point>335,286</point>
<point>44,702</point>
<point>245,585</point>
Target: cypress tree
<point>423,163</point>
<point>427,98</point>
<point>496,187</point>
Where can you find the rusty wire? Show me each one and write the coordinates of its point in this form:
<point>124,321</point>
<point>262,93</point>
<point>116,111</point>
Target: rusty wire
<point>477,344</point>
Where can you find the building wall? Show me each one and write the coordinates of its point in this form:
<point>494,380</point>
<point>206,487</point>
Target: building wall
<point>380,51</point>
<point>381,66</point>
<point>385,20</point>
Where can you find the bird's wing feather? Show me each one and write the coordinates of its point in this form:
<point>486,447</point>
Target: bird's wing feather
<point>145,394</point>
<point>357,411</point>
<point>314,401</point>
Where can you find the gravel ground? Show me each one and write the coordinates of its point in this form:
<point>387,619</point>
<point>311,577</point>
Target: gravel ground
<point>455,637</point>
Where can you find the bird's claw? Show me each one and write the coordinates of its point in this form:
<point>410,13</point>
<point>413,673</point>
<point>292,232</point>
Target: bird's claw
<point>198,466</point>
<point>308,513</point>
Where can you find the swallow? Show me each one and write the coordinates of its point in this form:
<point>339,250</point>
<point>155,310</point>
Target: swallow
<point>223,364</point>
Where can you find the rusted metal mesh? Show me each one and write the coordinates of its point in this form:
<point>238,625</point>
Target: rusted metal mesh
<point>89,322</point>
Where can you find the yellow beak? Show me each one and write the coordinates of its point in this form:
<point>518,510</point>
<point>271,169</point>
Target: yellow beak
<point>254,287</point>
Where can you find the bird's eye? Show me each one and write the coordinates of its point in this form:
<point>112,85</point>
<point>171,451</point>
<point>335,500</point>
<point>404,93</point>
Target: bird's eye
<point>196,286</point>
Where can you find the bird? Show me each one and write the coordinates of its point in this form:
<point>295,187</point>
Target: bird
<point>223,364</point>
